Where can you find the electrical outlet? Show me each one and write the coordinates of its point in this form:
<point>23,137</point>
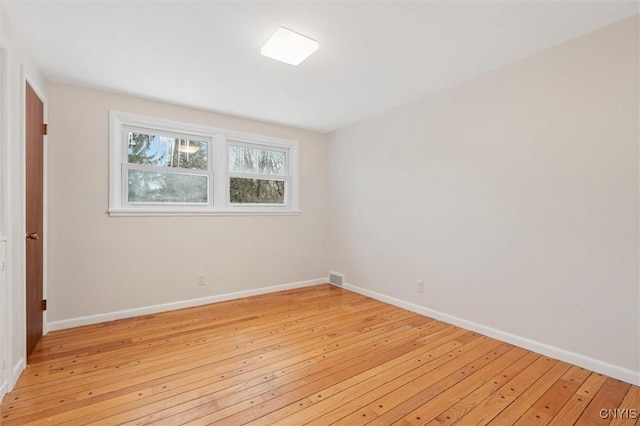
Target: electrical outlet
<point>420,286</point>
<point>202,279</point>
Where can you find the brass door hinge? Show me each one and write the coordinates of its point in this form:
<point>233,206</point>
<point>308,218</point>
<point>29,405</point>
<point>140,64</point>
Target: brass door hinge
<point>45,129</point>
<point>44,305</point>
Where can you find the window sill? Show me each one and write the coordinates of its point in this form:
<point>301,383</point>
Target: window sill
<point>193,213</point>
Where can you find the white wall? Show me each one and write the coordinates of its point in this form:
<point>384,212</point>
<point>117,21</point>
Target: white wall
<point>100,264</point>
<point>18,66</point>
<point>514,196</point>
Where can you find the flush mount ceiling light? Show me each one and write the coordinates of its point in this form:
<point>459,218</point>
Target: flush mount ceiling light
<point>288,46</point>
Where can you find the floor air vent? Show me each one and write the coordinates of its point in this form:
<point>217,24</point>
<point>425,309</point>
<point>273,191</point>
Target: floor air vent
<point>335,278</point>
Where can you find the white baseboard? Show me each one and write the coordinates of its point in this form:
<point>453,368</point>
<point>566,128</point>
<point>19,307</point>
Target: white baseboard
<point>602,367</point>
<point>16,372</point>
<point>4,388</point>
<point>146,310</point>
<point>592,364</point>
<point>11,381</point>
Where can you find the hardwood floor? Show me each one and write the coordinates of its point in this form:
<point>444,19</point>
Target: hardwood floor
<point>317,355</point>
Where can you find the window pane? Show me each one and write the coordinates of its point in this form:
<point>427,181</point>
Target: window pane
<point>260,191</point>
<point>164,151</point>
<point>244,159</point>
<point>154,187</point>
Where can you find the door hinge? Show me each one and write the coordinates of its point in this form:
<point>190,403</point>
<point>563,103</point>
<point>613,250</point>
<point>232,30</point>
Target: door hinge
<point>45,129</point>
<point>44,305</point>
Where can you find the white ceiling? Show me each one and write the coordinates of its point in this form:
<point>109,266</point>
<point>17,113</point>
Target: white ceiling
<point>373,55</point>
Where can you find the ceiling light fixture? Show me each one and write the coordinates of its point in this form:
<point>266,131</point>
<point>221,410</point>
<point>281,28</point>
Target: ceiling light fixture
<point>288,46</point>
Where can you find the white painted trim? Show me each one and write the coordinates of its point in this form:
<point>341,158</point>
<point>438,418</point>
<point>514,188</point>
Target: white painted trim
<point>128,313</point>
<point>203,212</point>
<point>219,140</point>
<point>17,371</point>
<point>602,367</point>
<point>20,248</point>
<point>4,389</point>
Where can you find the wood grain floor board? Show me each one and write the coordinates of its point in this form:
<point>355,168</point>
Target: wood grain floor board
<point>477,376</point>
<point>311,365</point>
<point>244,361</point>
<point>608,397</point>
<point>424,371</point>
<point>442,340</point>
<point>150,360</point>
<point>316,355</point>
<point>371,350</point>
<point>478,395</point>
<point>394,404</point>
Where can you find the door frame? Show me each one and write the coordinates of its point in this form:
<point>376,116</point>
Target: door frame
<point>16,273</point>
<point>17,68</point>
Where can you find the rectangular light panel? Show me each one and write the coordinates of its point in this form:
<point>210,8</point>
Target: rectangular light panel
<point>288,46</point>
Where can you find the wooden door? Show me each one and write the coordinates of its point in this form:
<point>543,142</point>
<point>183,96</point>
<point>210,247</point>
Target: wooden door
<point>34,155</point>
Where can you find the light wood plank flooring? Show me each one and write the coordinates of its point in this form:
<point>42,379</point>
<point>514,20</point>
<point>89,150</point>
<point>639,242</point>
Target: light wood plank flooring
<point>317,355</point>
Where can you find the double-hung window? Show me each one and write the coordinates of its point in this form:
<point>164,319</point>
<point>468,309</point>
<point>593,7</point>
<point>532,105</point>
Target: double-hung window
<point>257,174</point>
<point>160,167</point>
<point>164,168</point>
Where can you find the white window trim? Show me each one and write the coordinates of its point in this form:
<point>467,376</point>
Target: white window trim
<point>286,178</point>
<point>143,167</point>
<point>218,158</point>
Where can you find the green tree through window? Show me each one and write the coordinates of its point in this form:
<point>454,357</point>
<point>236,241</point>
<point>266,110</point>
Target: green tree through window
<point>172,154</point>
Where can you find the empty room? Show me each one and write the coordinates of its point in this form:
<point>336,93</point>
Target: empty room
<point>328,212</point>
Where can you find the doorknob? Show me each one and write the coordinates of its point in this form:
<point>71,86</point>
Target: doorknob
<point>33,236</point>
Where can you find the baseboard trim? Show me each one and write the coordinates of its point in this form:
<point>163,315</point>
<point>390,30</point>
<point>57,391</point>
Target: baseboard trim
<point>4,389</point>
<point>10,382</point>
<point>146,310</point>
<point>592,364</point>
<point>16,372</point>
